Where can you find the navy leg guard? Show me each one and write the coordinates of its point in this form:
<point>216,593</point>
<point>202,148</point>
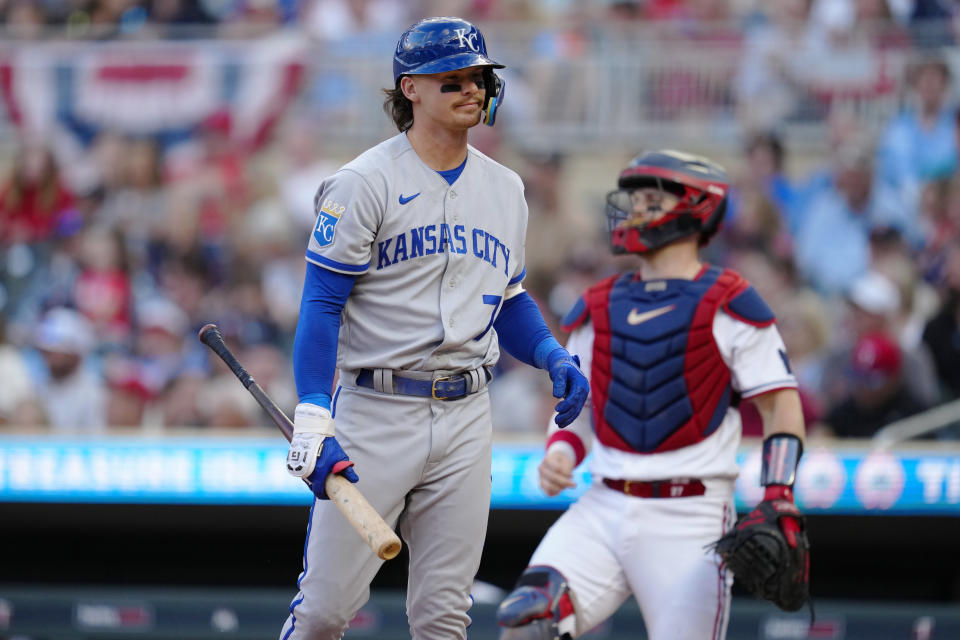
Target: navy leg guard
<point>539,607</point>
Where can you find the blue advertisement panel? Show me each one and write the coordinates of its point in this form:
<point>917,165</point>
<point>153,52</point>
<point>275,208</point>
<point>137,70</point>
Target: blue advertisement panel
<point>251,471</point>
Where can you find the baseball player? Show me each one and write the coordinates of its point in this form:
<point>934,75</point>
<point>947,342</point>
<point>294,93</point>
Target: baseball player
<point>671,349</point>
<point>414,283</point>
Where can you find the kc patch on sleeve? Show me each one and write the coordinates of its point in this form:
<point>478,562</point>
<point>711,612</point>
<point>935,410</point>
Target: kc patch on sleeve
<point>327,218</point>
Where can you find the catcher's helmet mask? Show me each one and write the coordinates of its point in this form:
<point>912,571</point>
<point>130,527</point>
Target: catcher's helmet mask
<point>436,45</point>
<point>701,190</point>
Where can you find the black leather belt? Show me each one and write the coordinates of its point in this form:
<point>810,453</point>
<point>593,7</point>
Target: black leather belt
<point>443,388</point>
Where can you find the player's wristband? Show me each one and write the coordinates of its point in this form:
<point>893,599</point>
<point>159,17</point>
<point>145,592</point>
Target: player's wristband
<point>781,455</point>
<point>310,418</point>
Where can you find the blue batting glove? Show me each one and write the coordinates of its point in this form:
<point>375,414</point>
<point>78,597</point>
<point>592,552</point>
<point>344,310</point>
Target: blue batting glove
<point>331,459</point>
<point>569,383</point>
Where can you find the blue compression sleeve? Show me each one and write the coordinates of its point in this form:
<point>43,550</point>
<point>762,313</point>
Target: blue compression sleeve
<point>523,332</point>
<point>318,327</point>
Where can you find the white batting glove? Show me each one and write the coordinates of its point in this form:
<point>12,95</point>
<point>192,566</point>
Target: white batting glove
<point>311,425</point>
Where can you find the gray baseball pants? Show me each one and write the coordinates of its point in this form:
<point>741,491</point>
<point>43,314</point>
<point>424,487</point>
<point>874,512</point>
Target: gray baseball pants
<point>424,465</point>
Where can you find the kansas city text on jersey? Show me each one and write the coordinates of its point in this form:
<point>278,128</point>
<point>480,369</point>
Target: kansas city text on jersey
<point>438,238</point>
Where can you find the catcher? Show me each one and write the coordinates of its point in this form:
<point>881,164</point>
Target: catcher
<point>671,349</point>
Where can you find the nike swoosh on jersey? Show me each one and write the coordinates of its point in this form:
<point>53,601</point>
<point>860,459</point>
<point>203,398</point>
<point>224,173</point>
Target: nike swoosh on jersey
<point>406,200</point>
<point>639,318</point>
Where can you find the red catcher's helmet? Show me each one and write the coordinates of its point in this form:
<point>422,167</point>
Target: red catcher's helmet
<point>700,184</point>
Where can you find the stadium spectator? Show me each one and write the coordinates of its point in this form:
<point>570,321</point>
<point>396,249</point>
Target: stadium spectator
<point>161,353</point>
<point>891,256</point>
<point>128,394</point>
<point>812,56</point>
<point>766,170</point>
<point>24,19</point>
<point>679,91</point>
<point>71,394</point>
<point>302,167</point>
<point>17,393</point>
<point>942,333</point>
<point>557,65</point>
<point>136,202</point>
<point>658,9</point>
<point>102,291</point>
<point>845,130</point>
<point>877,394</point>
<point>352,22</point>
<point>859,46</point>
<point>34,199</point>
<point>760,202</point>
<point>190,279</point>
<point>253,19</point>
<point>873,306</point>
<point>213,166</point>
<point>38,277</point>
<point>179,404</point>
<point>105,162</point>
<point>832,243</point>
<point>179,18</point>
<point>940,217</point>
<point>245,313</point>
<point>774,60</point>
<point>932,23</point>
<point>756,224</point>
<point>277,269</point>
<point>920,144</point>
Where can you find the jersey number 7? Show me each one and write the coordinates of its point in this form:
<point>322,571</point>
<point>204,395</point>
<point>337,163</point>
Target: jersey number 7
<point>491,300</point>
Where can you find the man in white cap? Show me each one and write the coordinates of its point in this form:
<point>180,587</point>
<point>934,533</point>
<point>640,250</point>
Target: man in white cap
<point>873,305</point>
<point>72,396</point>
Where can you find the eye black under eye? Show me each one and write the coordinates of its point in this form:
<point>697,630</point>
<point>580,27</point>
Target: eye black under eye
<point>456,87</point>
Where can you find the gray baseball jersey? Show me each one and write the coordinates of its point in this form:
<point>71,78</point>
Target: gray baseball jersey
<point>435,259</point>
<point>434,262</point>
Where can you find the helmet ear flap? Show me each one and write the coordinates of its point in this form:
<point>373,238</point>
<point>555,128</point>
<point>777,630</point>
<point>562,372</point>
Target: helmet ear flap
<point>712,224</point>
<point>492,83</point>
<point>494,86</point>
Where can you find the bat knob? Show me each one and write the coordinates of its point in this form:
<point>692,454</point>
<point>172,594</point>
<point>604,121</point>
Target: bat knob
<point>206,329</point>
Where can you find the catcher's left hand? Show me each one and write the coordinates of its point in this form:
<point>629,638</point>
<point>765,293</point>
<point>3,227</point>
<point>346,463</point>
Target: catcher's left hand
<point>768,551</point>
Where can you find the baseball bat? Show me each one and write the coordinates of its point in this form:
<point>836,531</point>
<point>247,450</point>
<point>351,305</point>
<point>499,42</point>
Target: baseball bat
<point>347,497</point>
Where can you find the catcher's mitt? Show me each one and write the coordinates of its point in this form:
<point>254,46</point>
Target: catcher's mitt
<point>769,553</point>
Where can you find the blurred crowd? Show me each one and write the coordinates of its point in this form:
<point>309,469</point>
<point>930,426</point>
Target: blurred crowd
<point>112,261</point>
<point>832,22</point>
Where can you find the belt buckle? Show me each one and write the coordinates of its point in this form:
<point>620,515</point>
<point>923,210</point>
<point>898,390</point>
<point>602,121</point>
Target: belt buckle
<point>433,386</point>
<point>626,487</point>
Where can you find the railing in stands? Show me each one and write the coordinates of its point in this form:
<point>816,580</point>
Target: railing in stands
<point>569,88</point>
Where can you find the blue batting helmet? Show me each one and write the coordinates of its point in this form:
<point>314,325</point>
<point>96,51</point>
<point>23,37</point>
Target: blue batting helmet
<point>435,45</point>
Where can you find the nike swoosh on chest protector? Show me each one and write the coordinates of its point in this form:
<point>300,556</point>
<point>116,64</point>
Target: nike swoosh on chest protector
<point>408,199</point>
<point>635,318</point>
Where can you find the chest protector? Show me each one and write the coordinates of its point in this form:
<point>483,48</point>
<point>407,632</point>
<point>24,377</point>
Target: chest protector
<point>658,381</point>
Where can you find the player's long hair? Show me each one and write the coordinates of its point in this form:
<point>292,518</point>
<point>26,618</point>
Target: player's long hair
<point>399,108</point>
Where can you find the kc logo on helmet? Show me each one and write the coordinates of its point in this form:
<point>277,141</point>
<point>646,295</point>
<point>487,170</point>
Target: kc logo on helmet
<point>327,219</point>
<point>467,39</point>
